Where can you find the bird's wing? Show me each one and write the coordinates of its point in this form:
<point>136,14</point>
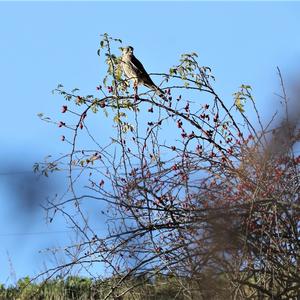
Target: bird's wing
<point>138,65</point>
<point>145,76</point>
<point>147,81</point>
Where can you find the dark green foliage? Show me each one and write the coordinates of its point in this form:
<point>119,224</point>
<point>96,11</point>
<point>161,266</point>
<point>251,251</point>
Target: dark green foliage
<point>79,288</point>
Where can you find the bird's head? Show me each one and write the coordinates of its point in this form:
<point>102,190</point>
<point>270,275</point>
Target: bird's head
<point>127,50</point>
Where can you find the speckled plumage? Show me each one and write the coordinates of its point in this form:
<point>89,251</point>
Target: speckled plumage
<point>134,70</point>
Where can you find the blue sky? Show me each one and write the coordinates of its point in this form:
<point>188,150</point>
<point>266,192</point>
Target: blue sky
<point>43,44</point>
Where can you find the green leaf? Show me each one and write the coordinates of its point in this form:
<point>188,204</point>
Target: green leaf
<point>246,87</point>
<point>239,102</point>
<point>105,112</point>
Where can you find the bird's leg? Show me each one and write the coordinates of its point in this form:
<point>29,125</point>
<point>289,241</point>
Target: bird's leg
<point>135,87</point>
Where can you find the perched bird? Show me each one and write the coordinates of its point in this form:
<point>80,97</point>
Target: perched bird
<point>134,70</point>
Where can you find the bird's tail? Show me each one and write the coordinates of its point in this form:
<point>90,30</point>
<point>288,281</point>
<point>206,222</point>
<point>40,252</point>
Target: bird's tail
<point>158,91</point>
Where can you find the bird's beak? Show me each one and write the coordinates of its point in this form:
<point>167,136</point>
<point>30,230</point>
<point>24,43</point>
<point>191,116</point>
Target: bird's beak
<point>121,48</point>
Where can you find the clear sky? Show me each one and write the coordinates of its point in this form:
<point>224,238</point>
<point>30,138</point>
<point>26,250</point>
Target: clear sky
<point>43,44</point>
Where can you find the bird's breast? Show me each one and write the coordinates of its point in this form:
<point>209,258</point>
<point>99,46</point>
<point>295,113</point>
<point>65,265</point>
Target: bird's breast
<point>129,69</point>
